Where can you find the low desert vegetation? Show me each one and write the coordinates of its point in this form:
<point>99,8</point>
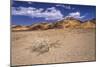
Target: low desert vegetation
<point>41,46</point>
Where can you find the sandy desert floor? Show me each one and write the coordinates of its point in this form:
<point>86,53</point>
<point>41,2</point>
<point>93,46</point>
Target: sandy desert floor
<point>71,45</point>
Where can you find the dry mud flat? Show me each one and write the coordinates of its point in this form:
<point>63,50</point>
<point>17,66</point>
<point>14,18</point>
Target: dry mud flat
<point>52,46</point>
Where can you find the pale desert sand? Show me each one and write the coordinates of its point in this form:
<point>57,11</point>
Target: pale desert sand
<point>74,45</point>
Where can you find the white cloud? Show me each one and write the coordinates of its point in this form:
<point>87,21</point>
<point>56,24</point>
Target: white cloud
<point>30,2</point>
<point>76,15</point>
<point>65,6</point>
<point>49,13</point>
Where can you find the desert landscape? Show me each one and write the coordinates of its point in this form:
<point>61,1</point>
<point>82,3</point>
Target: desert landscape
<point>67,40</point>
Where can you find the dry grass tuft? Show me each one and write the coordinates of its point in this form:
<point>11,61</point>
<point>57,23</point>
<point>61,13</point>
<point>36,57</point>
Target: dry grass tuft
<point>42,46</point>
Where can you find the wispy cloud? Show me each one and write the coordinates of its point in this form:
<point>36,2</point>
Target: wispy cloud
<point>29,2</point>
<point>64,6</point>
<point>76,15</point>
<point>48,14</point>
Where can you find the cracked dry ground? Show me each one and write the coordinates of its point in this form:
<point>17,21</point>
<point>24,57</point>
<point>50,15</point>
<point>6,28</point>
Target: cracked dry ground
<point>74,45</point>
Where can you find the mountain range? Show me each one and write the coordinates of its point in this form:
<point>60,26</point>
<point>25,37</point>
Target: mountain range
<point>68,22</point>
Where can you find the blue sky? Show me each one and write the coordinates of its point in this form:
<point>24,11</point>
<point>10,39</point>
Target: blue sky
<point>27,13</point>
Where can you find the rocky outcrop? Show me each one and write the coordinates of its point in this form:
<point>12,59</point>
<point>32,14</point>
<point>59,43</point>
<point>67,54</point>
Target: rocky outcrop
<point>41,26</point>
<point>89,24</point>
<point>20,28</point>
<point>68,23</point>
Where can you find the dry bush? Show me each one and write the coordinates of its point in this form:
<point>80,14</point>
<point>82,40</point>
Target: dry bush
<point>42,46</point>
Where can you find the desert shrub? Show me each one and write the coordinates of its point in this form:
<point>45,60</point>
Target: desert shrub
<point>42,46</point>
